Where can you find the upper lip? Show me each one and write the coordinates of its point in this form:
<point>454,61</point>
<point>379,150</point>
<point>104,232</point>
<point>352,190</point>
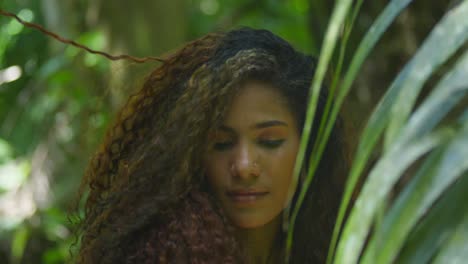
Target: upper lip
<point>246,192</point>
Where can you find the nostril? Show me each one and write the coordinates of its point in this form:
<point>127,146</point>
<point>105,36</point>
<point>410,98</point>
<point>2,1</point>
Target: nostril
<point>245,162</point>
<point>245,170</point>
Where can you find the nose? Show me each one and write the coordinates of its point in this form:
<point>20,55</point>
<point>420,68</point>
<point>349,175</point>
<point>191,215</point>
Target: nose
<point>245,163</point>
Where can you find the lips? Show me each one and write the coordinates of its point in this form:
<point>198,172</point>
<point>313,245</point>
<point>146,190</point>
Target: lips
<point>246,196</point>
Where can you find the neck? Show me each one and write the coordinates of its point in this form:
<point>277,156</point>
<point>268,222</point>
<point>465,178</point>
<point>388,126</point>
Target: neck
<point>260,243</point>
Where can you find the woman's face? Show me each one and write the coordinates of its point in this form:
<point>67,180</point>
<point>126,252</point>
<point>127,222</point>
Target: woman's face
<point>250,159</point>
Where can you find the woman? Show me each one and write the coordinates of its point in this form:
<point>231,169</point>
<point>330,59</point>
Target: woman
<point>197,167</point>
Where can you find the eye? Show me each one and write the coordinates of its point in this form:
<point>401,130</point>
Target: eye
<point>270,143</point>
<point>223,145</point>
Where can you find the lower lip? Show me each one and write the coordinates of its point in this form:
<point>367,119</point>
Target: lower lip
<point>246,199</point>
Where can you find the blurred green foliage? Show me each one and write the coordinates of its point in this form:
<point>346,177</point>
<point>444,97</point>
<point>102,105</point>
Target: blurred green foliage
<point>56,100</point>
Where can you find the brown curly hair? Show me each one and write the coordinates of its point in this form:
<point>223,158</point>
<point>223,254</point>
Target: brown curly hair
<point>147,200</point>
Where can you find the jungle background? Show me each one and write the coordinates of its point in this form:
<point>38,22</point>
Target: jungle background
<point>56,100</point>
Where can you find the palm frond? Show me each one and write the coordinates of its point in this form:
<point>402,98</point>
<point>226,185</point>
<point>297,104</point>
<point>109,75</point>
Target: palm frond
<point>423,221</point>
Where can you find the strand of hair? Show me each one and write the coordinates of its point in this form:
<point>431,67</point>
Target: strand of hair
<point>78,45</point>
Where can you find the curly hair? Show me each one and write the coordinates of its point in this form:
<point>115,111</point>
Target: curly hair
<point>147,200</point>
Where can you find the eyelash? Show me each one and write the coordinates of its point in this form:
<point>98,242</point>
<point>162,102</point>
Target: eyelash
<point>221,146</point>
<point>269,144</point>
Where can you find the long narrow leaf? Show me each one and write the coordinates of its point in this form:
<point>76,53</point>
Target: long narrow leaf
<point>444,40</point>
<point>438,225</point>
<point>370,135</point>
<point>456,249</point>
<point>365,47</point>
<point>438,173</point>
<point>428,168</point>
<point>321,139</point>
<point>338,16</point>
<point>410,205</point>
<point>337,74</point>
<point>445,96</point>
<point>380,181</point>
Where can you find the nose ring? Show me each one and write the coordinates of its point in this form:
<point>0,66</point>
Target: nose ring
<point>255,165</point>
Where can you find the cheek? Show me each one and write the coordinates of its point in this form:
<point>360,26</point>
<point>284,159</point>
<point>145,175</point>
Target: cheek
<point>282,169</point>
<point>215,170</point>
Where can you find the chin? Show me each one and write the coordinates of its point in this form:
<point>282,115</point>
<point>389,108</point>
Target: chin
<point>249,222</point>
<point>248,225</point>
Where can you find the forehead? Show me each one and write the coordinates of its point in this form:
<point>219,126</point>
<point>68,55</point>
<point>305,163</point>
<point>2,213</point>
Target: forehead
<point>257,102</point>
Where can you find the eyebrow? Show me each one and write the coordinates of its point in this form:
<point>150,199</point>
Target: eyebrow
<point>270,123</point>
<point>260,125</point>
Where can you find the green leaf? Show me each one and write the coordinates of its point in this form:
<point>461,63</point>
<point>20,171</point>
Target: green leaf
<point>381,178</point>
<point>376,189</point>
<point>444,97</point>
<point>438,225</point>
<point>427,185</point>
<point>6,151</point>
<point>456,248</point>
<point>444,40</point>
<point>439,171</point>
<point>337,19</point>
<point>50,67</point>
<point>13,174</point>
<point>20,240</point>
<point>365,47</point>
